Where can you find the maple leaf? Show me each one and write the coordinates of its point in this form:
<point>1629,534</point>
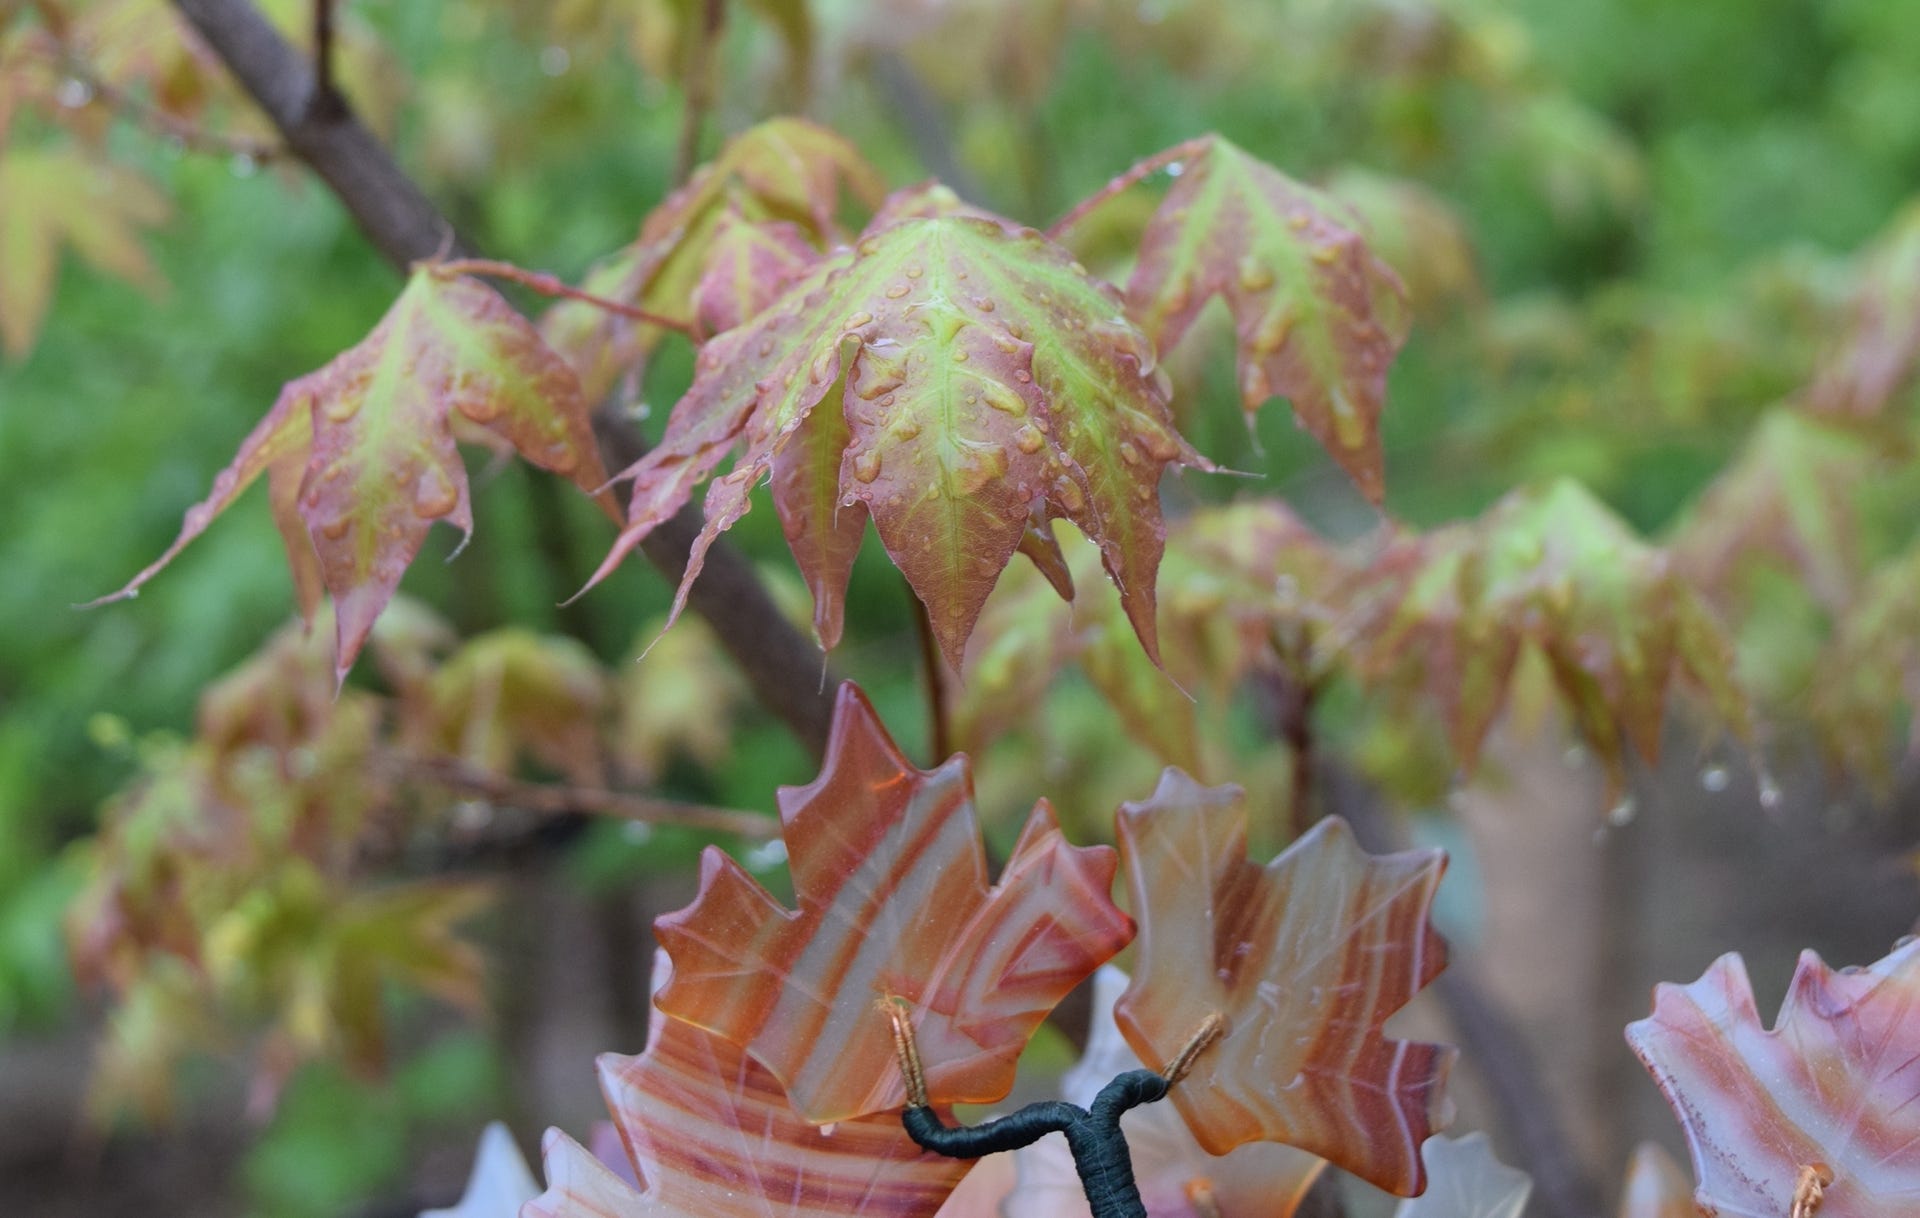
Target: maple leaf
<point>1450,611</point>
<point>513,691</point>
<point>975,377</point>
<point>711,1134</point>
<point>1654,1188</point>
<point>1791,493</point>
<point>1834,1084</point>
<point>1230,577</point>
<point>1417,233</point>
<point>683,702</point>
<point>1317,316</point>
<point>360,455</point>
<point>784,171</point>
<point>1177,1178</point>
<point>1882,352</point>
<point>891,880</point>
<point>1464,1180</point>
<point>1305,959</point>
<point>56,196</point>
<point>746,270</point>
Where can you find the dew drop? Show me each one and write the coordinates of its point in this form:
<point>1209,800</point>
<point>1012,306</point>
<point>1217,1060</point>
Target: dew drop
<point>1007,343</point>
<point>915,271</point>
<point>1621,814</point>
<point>1326,255</point>
<point>341,407</point>
<point>335,529</point>
<point>1066,492</point>
<point>897,291</point>
<point>1298,221</point>
<point>480,407</point>
<point>1004,400</point>
<point>560,457</point>
<point>1769,792</point>
<point>243,165</point>
<point>1129,453</point>
<point>869,248</point>
<point>866,466</point>
<point>984,304</point>
<point>959,355</point>
<point>1175,169</point>
<point>73,93</point>
<point>434,494</point>
<point>1714,778</point>
<point>1023,376</point>
<point>907,428</point>
<point>1028,439</point>
<point>859,319</point>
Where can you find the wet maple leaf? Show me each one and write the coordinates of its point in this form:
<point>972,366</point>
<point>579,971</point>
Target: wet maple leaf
<point>65,196</point>
<point>890,874</point>
<point>1305,958</point>
<point>711,1134</point>
<point>783,171</point>
<point>1881,353</point>
<point>360,455</point>
<point>1317,316</point>
<point>1448,613</point>
<point>1791,493</point>
<point>974,377</point>
<point>1464,1180</point>
<point>1835,1084</point>
<point>1177,1178</point>
<point>1417,233</point>
<point>747,268</point>
<point>1655,1188</point>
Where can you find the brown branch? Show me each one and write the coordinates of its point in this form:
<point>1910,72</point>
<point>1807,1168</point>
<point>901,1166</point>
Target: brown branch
<point>556,799</point>
<point>783,668</point>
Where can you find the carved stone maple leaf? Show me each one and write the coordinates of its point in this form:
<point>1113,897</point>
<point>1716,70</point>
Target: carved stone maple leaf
<point>1833,1086</point>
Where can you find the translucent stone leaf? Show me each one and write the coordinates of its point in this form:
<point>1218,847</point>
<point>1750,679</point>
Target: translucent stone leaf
<point>360,455</point>
<point>499,1184</point>
<point>1318,317</point>
<point>1305,958</point>
<point>1834,1085</point>
<point>1655,1188</point>
<point>972,377</point>
<point>1177,1178</point>
<point>1464,1180</point>
<point>894,905</point>
<point>710,1135</point>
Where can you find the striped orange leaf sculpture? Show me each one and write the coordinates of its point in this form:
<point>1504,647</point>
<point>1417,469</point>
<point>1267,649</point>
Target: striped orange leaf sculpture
<point>1305,958</point>
<point>891,879</point>
<point>709,1132</point>
<point>1820,1114</point>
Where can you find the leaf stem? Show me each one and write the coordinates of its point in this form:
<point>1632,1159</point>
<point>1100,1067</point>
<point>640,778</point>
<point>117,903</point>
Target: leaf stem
<point>324,104</point>
<point>1140,171</point>
<point>939,724</point>
<point>548,284</point>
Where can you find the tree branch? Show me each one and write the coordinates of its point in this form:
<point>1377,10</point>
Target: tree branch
<point>783,667</point>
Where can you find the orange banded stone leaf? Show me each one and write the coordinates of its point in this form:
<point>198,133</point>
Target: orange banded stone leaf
<point>984,380</point>
<point>1305,958</point>
<point>1318,317</point>
<point>711,1135</point>
<point>1177,1178</point>
<point>894,905</point>
<point>1835,1083</point>
<point>361,454</point>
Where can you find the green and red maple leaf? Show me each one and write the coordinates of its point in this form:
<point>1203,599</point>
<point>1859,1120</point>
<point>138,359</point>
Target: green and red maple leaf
<point>361,456</point>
